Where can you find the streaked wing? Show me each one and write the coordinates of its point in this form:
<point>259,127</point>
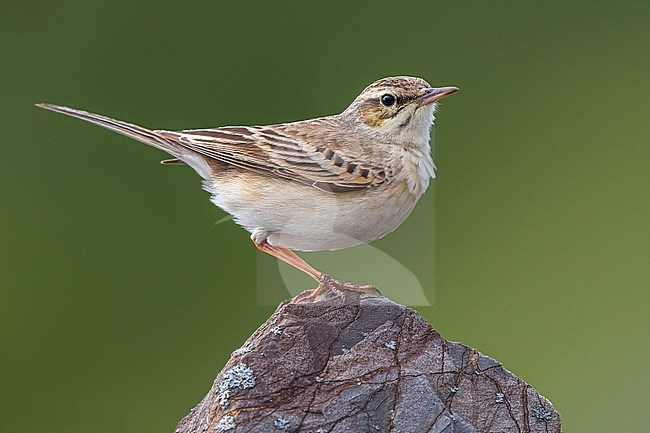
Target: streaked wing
<point>272,151</point>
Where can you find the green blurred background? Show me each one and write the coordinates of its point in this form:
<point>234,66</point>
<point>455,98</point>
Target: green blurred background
<point>121,299</point>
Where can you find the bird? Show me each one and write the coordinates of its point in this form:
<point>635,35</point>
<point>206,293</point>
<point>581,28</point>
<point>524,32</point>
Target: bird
<point>326,183</point>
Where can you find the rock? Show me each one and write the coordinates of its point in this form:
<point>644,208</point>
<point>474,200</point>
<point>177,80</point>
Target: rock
<point>364,364</point>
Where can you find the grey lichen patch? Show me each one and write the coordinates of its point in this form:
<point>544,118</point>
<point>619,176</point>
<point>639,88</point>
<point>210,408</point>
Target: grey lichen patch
<point>238,377</point>
<point>282,423</point>
<point>500,398</point>
<point>392,344</point>
<point>226,423</point>
<point>542,414</point>
<point>276,330</point>
<point>246,348</point>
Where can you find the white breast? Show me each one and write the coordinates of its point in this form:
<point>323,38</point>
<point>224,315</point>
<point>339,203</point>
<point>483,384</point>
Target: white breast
<point>419,169</point>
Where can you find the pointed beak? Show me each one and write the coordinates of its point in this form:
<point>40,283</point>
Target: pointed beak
<point>435,94</point>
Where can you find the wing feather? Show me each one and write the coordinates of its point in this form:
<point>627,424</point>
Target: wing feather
<point>270,151</point>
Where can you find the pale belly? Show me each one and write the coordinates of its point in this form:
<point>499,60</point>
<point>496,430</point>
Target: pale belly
<point>301,217</point>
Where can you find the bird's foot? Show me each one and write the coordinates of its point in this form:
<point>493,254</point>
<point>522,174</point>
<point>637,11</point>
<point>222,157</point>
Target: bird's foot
<point>342,286</point>
<point>329,288</point>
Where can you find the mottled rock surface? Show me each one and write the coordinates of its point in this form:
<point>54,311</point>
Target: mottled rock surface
<point>364,364</point>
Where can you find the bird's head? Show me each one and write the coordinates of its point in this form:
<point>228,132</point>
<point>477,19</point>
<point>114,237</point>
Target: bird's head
<point>400,108</point>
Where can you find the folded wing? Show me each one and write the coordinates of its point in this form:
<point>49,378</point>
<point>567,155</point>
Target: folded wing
<point>270,151</point>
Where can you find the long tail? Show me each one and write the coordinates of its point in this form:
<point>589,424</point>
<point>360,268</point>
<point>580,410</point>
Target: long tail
<point>147,136</point>
<point>132,131</point>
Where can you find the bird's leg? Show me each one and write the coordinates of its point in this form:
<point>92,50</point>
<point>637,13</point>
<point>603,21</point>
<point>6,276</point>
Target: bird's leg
<point>325,282</point>
<point>291,258</point>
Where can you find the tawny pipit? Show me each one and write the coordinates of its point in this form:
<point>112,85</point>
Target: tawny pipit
<point>320,184</point>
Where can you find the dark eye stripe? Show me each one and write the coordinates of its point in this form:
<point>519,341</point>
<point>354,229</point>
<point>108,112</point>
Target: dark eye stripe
<point>405,99</point>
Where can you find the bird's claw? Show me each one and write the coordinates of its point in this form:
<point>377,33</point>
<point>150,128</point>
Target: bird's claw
<point>329,287</point>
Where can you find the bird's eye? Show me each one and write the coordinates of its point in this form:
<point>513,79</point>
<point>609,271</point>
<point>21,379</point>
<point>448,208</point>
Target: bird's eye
<point>387,99</point>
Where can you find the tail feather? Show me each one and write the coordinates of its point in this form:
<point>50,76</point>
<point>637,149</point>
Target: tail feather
<point>136,132</point>
<point>173,161</point>
<point>147,136</point>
